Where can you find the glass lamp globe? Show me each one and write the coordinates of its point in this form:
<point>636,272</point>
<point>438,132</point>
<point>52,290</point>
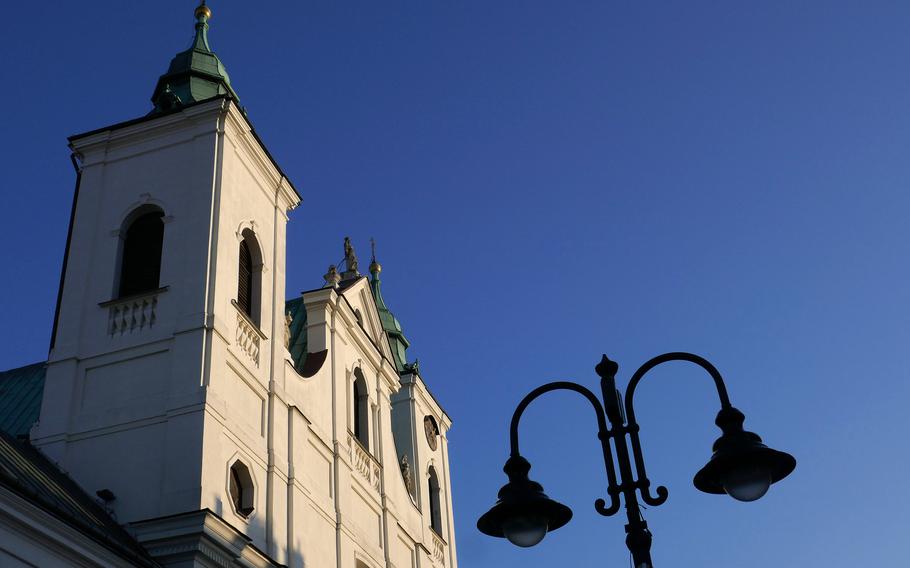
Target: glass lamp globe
<point>748,482</point>
<point>525,530</point>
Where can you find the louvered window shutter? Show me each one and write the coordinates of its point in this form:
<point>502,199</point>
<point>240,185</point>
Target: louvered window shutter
<point>245,280</point>
<point>140,265</point>
<point>435,511</point>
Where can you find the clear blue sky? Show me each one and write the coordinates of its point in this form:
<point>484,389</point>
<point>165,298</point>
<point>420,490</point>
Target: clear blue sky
<point>548,181</point>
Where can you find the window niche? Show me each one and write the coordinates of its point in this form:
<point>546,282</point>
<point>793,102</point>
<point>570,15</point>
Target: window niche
<point>435,511</point>
<point>249,277</point>
<point>241,489</point>
<point>361,409</point>
<point>142,238</point>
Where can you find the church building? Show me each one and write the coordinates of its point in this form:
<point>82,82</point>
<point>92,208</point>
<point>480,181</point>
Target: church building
<point>188,415</point>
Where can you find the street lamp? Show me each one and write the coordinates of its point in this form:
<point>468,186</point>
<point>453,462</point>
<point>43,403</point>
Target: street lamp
<point>741,465</point>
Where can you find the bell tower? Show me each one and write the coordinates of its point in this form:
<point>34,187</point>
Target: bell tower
<point>171,310</point>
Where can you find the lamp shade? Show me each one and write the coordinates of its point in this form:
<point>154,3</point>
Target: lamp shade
<point>741,466</point>
<point>523,514</point>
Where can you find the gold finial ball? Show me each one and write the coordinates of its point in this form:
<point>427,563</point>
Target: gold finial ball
<point>203,11</point>
<point>375,267</point>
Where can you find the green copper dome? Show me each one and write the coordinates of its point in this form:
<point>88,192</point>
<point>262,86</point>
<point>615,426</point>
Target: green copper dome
<point>195,74</point>
<point>390,324</point>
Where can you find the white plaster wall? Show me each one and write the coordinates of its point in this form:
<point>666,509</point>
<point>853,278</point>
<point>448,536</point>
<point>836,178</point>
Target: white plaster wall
<point>377,526</point>
<point>158,416</point>
<point>242,418</point>
<point>123,412</point>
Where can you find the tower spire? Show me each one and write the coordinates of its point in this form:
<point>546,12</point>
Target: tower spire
<point>390,323</point>
<point>195,74</point>
<point>202,14</point>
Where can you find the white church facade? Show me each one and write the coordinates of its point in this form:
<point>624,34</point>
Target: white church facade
<point>188,414</point>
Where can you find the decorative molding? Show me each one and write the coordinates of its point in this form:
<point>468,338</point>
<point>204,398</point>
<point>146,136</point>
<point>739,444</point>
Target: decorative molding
<point>253,227</point>
<point>199,538</point>
<point>236,457</point>
<point>239,131</point>
<point>145,199</point>
<point>171,549</point>
<point>244,225</point>
<point>215,555</point>
<point>408,476</point>
<point>432,431</point>
<point>287,330</point>
<point>248,337</point>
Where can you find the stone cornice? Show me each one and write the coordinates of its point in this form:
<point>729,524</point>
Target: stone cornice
<point>426,397</point>
<point>146,131</point>
<point>200,535</point>
<point>330,299</point>
<point>241,131</point>
<point>147,128</point>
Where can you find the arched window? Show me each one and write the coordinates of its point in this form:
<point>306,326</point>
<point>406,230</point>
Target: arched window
<point>249,273</point>
<point>435,511</point>
<point>245,280</point>
<point>140,260</point>
<point>361,409</point>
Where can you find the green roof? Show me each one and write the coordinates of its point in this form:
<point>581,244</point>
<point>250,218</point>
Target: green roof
<point>297,343</point>
<point>390,323</point>
<point>20,398</point>
<point>297,327</point>
<point>195,74</point>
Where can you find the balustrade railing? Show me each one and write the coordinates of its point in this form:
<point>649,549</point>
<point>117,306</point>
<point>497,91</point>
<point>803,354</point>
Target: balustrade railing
<point>248,338</point>
<point>132,314</point>
<point>439,548</point>
<point>365,464</point>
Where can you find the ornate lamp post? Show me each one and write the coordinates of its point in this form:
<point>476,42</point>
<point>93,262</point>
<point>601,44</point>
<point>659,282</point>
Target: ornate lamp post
<point>741,466</point>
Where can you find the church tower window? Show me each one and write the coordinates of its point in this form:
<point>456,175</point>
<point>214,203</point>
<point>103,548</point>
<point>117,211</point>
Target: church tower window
<point>435,512</point>
<point>249,273</point>
<point>140,261</point>
<point>361,410</point>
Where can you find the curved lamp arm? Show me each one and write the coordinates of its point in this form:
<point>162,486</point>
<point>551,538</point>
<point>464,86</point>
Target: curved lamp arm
<point>633,425</point>
<point>602,434</point>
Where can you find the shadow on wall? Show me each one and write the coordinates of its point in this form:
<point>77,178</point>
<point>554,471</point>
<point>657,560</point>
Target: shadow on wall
<point>296,558</point>
<point>256,525</point>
